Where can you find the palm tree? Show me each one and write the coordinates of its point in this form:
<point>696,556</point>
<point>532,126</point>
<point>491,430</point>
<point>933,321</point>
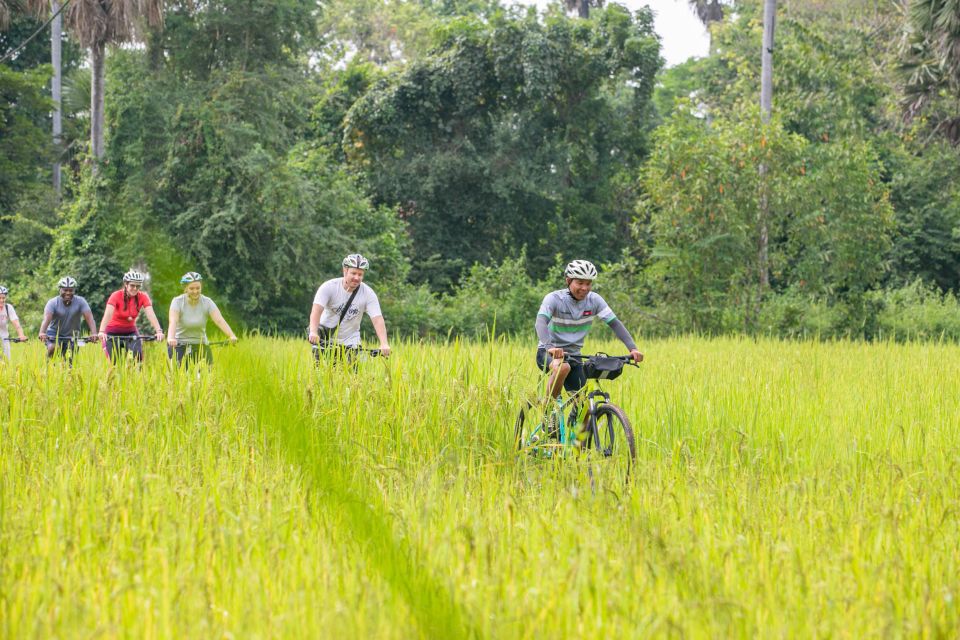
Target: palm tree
<point>930,59</point>
<point>96,24</point>
<point>582,6</point>
<point>707,10</point>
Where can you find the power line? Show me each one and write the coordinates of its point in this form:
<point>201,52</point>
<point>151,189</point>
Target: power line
<point>12,52</point>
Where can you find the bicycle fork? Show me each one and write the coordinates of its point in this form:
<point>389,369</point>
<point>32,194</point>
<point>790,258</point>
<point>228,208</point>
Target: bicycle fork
<point>587,416</point>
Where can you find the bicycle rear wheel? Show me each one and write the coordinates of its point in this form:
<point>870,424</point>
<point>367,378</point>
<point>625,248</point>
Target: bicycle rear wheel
<point>613,435</point>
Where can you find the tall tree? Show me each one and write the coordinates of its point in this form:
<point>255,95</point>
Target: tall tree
<point>829,223</point>
<point>517,133</point>
<point>96,24</point>
<point>708,11</point>
<point>931,61</point>
<point>582,7</point>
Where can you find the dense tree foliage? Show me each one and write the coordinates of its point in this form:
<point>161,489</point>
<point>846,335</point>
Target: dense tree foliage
<point>511,135</point>
<point>470,149</point>
<point>829,217</point>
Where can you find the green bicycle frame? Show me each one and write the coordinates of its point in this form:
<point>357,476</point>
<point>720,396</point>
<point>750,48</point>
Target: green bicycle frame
<point>587,399</point>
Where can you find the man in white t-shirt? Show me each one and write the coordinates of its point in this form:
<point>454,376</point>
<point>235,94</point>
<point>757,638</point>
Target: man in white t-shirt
<point>339,323</point>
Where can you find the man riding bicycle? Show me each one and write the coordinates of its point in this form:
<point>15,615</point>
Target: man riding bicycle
<point>338,309</point>
<point>564,319</point>
<point>61,319</point>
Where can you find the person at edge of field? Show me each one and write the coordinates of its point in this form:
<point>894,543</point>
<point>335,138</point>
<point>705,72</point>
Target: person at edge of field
<point>8,316</point>
<point>61,319</point>
<point>189,313</point>
<point>329,306</point>
<point>119,322</point>
<point>563,321</point>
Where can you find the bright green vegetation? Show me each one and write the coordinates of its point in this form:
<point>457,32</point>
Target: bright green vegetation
<point>781,489</point>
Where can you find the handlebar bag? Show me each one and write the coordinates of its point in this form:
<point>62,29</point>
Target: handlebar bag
<point>603,367</point>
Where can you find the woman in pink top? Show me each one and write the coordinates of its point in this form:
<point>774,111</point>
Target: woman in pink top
<point>118,328</point>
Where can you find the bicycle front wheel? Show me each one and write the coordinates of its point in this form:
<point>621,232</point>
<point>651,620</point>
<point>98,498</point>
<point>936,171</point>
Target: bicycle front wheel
<point>519,431</point>
<point>613,435</point>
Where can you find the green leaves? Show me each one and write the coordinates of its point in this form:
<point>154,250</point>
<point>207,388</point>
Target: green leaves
<point>827,219</point>
<point>511,135</point>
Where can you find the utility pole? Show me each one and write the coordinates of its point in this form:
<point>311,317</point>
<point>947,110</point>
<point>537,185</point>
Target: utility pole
<point>56,30</point>
<point>766,59</point>
<point>766,106</point>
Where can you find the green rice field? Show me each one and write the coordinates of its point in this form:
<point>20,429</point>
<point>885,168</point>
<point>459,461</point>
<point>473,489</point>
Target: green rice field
<point>781,489</point>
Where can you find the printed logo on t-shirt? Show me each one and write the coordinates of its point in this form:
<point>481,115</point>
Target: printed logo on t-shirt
<point>352,312</point>
<point>587,313</point>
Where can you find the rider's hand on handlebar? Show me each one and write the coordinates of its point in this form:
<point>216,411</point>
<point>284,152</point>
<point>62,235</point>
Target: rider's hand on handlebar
<point>556,353</point>
<point>636,355</point>
<point>313,338</point>
<point>385,350</point>
<point>172,341</point>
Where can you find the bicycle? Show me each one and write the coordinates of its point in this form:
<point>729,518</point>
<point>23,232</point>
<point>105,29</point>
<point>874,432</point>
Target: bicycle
<point>594,422</point>
<point>115,342</point>
<point>190,353</point>
<point>67,345</point>
<point>4,353</point>
<point>337,353</point>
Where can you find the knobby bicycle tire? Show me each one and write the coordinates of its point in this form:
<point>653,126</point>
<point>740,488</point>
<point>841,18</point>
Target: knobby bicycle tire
<point>613,435</point>
<point>518,427</point>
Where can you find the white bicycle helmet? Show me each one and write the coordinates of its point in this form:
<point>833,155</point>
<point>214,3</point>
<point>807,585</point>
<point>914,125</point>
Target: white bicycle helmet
<point>581,270</point>
<point>133,276</point>
<point>191,276</point>
<point>67,282</point>
<point>356,261</point>
<point>3,290</point>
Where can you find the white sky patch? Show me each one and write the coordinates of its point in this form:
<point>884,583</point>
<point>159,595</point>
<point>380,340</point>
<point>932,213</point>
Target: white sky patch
<point>682,35</point>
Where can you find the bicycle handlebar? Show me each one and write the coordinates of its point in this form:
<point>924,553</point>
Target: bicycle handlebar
<point>627,359</point>
<point>144,338</point>
<point>78,339</point>
<point>218,343</point>
<point>373,353</point>
<point>15,339</point>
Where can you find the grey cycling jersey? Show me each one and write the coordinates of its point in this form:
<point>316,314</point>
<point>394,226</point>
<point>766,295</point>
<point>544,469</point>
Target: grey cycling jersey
<point>569,320</point>
<point>65,318</point>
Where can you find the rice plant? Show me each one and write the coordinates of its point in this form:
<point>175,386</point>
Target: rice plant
<point>781,488</point>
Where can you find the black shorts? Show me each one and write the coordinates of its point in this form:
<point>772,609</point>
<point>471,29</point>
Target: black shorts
<point>576,379</point>
<point>114,347</point>
<point>66,346</point>
<point>188,354</point>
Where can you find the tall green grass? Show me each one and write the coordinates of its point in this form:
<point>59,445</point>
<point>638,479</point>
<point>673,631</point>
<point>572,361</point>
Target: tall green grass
<point>781,489</point>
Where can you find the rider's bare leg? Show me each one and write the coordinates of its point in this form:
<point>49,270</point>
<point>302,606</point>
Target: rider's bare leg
<point>559,372</point>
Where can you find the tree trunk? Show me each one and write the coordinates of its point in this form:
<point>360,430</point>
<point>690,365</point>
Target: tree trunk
<point>584,8</point>
<point>97,54</point>
<point>56,30</point>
